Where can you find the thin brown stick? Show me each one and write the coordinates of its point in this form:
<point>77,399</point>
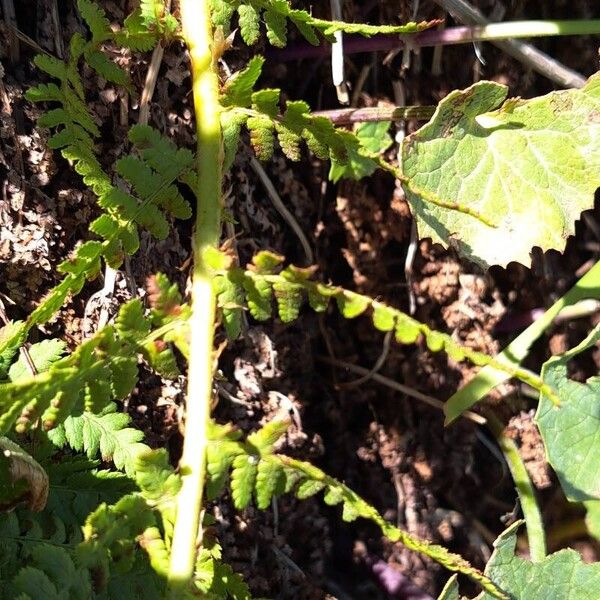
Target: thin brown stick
<point>375,368</point>
<point>399,387</point>
<point>349,116</point>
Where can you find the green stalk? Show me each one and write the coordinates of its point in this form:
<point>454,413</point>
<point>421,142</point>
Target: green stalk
<point>524,487</point>
<point>514,30</point>
<point>197,33</point>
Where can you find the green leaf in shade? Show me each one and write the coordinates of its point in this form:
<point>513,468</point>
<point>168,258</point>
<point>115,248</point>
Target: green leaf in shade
<point>560,576</point>
<point>529,166</point>
<point>571,432</point>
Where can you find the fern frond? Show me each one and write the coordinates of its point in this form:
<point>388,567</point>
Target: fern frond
<point>102,368</point>
<point>230,297</point>
<point>259,111</point>
<point>276,13</point>
<point>162,155</point>
<point>84,265</point>
<point>224,446</point>
<point>293,285</point>
<point>114,533</point>
<point>108,69</point>
<point>253,471</point>
<point>135,35</point>
<point>238,89</point>
<point>166,302</point>
<point>256,469</point>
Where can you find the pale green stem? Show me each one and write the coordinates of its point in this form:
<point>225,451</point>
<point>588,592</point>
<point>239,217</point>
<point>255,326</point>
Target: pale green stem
<point>524,487</point>
<point>197,33</point>
<point>513,29</point>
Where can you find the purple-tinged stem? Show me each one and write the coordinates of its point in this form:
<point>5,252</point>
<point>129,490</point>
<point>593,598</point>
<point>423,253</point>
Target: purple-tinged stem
<point>441,37</point>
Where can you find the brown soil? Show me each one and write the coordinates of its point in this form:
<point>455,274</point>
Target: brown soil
<point>445,485</point>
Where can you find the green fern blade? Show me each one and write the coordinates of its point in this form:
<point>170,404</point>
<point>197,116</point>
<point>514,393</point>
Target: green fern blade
<point>243,477</point>
<point>124,370</point>
<point>354,506</point>
<point>265,262</point>
<point>237,91</point>
<point>266,101</point>
<point>131,322</point>
<point>153,543</point>
<point>135,35</point>
<point>289,141</point>
<point>52,66</point>
<point>161,153</point>
<point>85,261</point>
<point>76,136</point>
<point>261,136</point>
<point>150,186</point>
<point>351,305</point>
<point>111,533</point>
<point>259,295</point>
<point>30,583</point>
<point>276,28</point>
<point>270,481</point>
<point>308,488</point>
<point>230,298</point>
<point>78,111</point>
<point>85,264</point>
<point>263,440</point>
<point>42,355</point>
<point>54,118</point>
<point>249,20</point>
<point>221,13</point>
<point>301,19</point>
<point>384,317</point>
<point>44,93</point>
<point>107,434</point>
<point>289,299</point>
<point>219,458</point>
<point>107,69</point>
<point>77,46</point>
<point>109,228</point>
<point>96,20</point>
<point>231,125</point>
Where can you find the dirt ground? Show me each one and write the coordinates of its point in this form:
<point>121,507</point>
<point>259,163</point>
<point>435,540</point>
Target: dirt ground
<point>450,485</point>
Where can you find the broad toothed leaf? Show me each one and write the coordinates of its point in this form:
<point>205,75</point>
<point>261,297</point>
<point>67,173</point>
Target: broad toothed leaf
<point>528,166</point>
<point>571,433</point>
